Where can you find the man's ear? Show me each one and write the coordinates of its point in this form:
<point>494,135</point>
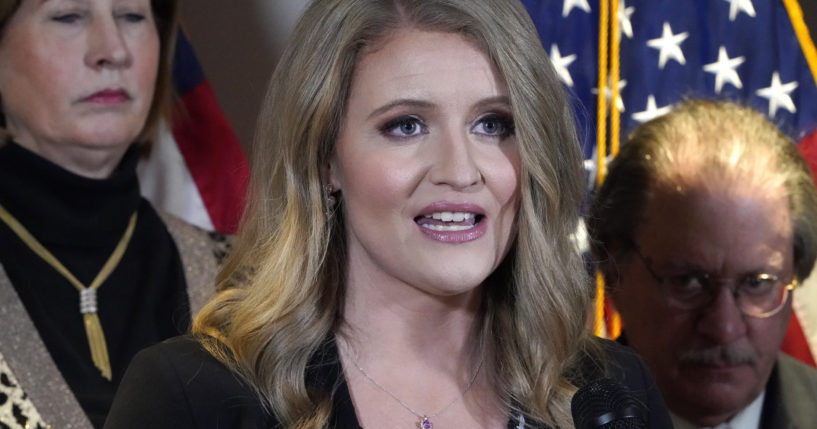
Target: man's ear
<point>612,275</point>
<point>611,268</point>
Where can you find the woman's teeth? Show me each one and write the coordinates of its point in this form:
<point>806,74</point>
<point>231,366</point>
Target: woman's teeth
<point>447,227</point>
<point>450,216</point>
<point>464,221</point>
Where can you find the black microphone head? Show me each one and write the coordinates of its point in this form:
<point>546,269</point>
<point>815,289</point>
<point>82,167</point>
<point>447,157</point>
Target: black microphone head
<point>606,404</point>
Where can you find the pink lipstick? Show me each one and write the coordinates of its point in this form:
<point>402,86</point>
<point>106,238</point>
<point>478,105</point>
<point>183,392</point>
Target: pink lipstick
<point>108,97</point>
<point>452,223</point>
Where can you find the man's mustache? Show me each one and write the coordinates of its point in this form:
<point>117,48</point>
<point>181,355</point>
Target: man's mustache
<point>719,355</point>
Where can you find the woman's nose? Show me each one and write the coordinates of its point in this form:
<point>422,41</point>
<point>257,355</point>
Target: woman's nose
<point>454,164</point>
<point>107,46</point>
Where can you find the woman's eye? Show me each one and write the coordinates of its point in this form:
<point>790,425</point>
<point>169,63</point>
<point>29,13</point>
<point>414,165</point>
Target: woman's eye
<point>494,125</point>
<point>406,126</point>
<point>67,18</point>
<point>132,17</point>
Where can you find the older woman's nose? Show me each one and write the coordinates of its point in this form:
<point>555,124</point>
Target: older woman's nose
<point>454,164</point>
<point>107,46</point>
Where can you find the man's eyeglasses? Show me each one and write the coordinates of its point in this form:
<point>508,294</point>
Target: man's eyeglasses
<point>757,295</point>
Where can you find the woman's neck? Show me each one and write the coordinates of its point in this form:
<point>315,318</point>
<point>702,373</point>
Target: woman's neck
<point>37,191</point>
<point>93,162</point>
<point>403,348</point>
<point>397,321</point>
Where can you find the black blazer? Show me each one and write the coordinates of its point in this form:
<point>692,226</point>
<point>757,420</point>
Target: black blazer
<point>179,384</point>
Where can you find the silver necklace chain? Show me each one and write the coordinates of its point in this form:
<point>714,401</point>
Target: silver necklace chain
<point>425,419</point>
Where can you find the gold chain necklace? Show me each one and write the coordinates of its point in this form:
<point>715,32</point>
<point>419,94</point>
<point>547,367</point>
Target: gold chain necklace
<point>87,294</point>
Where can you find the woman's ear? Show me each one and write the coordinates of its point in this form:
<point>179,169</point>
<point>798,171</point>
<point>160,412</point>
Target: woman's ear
<point>330,174</point>
<point>331,186</point>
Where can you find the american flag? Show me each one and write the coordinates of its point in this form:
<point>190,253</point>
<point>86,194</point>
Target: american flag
<point>657,52</point>
<point>197,169</point>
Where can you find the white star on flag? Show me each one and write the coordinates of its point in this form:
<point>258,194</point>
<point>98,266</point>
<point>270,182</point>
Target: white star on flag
<point>740,6</point>
<point>560,63</point>
<point>778,95</point>
<point>724,70</point>
<point>652,111</point>
<point>669,46</point>
<point>568,5</point>
<point>608,93</point>
<point>625,24</point>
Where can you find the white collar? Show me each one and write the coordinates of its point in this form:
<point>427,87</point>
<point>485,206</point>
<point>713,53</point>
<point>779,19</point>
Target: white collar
<point>747,418</point>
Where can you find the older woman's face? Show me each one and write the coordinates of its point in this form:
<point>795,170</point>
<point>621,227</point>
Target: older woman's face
<point>427,164</point>
<point>78,74</point>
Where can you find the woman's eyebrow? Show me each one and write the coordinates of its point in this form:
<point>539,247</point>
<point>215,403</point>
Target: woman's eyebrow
<point>493,101</point>
<point>408,102</point>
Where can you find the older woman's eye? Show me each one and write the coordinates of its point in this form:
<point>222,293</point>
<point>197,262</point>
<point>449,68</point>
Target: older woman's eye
<point>404,126</point>
<point>131,14</point>
<point>132,17</point>
<point>495,125</point>
<point>67,18</point>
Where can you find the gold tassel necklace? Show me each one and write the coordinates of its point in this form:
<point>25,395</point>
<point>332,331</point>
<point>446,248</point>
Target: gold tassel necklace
<point>87,294</point>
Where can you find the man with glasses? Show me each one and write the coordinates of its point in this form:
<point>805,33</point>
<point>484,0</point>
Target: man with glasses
<point>704,226</point>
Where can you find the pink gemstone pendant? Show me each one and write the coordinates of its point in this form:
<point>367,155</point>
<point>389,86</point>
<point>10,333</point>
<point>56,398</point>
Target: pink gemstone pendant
<point>425,424</point>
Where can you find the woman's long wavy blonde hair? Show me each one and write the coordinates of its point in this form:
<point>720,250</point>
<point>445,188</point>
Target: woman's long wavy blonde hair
<point>282,287</point>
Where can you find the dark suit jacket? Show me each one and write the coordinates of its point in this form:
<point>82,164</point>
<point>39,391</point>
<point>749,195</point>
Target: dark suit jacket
<point>791,396</point>
<point>179,384</point>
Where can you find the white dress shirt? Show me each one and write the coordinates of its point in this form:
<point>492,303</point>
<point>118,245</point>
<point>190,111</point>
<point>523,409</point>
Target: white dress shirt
<point>747,418</point>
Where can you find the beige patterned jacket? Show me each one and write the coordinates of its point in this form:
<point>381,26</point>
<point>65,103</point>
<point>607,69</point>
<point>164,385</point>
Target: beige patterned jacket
<point>32,391</point>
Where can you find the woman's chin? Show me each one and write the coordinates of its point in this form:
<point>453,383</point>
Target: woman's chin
<point>454,283</point>
<point>113,134</point>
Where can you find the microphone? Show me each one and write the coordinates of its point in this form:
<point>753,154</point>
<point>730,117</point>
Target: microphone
<point>606,404</point>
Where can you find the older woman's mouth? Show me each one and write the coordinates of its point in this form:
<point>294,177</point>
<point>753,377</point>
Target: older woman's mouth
<point>108,97</point>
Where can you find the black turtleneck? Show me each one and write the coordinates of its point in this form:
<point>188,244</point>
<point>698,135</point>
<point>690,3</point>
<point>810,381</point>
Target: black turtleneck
<point>80,221</point>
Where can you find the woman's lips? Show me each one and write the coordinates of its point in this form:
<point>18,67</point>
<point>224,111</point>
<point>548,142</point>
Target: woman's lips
<point>452,223</point>
<point>108,97</point>
<point>448,221</point>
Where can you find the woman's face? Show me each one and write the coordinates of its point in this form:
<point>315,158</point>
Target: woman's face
<point>78,74</point>
<point>427,164</point>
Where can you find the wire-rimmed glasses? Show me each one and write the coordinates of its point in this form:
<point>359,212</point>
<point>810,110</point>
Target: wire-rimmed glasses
<point>758,295</point>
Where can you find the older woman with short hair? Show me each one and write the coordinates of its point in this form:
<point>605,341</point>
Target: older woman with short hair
<point>90,273</point>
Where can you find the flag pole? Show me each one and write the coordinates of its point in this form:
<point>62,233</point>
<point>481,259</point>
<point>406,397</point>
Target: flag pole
<point>601,145</point>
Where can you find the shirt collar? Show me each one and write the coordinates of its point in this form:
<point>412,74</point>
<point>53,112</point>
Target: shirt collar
<point>747,418</point>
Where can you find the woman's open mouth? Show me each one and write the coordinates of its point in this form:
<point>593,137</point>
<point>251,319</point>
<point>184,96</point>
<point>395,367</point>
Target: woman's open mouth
<point>449,221</point>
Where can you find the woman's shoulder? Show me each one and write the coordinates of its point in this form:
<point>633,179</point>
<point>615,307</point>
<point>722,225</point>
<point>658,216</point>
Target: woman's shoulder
<point>177,383</point>
<point>185,356</point>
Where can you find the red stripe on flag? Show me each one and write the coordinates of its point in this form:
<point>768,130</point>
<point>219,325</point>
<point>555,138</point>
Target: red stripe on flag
<point>808,148</point>
<point>213,155</point>
<point>795,344</point>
